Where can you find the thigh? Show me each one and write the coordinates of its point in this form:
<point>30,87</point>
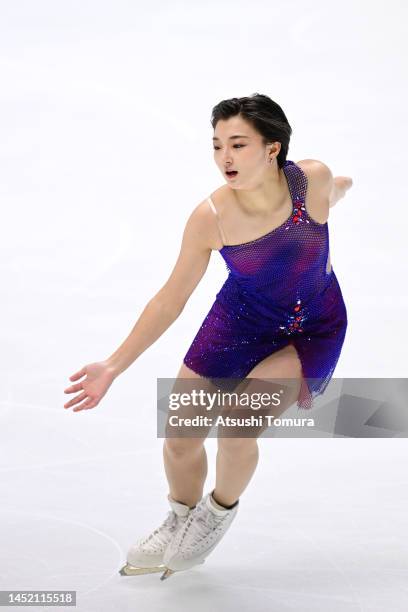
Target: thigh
<point>189,437</point>
<point>284,363</point>
<point>280,371</point>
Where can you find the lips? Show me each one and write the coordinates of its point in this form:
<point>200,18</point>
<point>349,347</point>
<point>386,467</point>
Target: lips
<point>231,172</point>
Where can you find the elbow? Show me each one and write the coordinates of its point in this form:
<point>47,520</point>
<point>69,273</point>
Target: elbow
<point>168,304</point>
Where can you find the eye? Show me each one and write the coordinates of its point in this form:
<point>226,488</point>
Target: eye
<point>235,146</point>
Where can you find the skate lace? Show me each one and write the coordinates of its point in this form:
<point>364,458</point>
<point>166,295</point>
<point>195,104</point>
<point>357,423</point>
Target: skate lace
<point>205,524</point>
<point>160,535</point>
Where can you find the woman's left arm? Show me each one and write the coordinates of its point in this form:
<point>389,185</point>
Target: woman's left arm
<point>325,190</point>
<point>340,185</point>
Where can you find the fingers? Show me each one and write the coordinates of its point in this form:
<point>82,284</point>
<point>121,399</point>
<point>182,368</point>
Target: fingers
<point>73,388</point>
<point>75,400</point>
<point>89,403</point>
<point>79,374</point>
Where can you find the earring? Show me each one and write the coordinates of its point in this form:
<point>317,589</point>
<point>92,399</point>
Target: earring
<point>271,160</point>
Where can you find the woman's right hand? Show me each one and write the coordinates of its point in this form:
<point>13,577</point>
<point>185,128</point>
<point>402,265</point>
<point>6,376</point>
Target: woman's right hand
<point>99,377</point>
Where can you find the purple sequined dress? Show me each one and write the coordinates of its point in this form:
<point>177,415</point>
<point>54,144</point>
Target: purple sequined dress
<point>280,290</point>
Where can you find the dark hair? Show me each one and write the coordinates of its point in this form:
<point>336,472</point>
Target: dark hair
<point>264,114</point>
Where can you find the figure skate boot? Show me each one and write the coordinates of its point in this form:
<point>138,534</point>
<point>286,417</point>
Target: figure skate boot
<point>146,556</point>
<point>205,526</point>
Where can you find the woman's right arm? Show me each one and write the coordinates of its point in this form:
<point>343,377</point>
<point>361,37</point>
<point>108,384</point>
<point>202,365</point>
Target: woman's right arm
<point>165,307</point>
<point>159,313</point>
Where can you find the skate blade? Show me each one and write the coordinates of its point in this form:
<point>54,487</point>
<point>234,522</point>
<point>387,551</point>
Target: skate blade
<point>166,574</point>
<point>169,572</point>
<point>131,570</point>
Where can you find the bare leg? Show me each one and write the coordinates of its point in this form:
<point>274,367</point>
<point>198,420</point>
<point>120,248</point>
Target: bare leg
<point>237,458</point>
<point>185,459</point>
<point>186,470</point>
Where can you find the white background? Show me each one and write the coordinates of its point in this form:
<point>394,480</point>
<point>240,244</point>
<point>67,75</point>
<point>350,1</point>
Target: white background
<point>105,150</point>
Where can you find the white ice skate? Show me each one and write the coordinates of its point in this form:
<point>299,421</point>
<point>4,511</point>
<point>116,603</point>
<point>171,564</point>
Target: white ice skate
<point>146,556</point>
<point>200,534</point>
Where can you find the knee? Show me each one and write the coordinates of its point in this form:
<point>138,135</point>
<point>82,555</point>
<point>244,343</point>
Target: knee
<point>236,447</point>
<point>181,447</point>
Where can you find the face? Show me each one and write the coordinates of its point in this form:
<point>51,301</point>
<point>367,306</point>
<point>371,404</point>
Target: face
<point>238,146</point>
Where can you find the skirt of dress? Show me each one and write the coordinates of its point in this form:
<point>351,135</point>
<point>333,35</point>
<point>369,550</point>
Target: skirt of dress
<point>231,341</point>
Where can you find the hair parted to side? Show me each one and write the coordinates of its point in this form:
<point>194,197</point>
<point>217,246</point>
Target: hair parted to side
<point>266,116</point>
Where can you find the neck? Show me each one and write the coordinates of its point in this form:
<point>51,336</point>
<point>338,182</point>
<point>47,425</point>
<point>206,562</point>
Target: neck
<point>267,197</point>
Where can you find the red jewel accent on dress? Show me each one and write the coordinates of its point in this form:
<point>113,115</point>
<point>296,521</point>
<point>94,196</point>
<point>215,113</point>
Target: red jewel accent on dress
<point>294,323</point>
<point>298,205</point>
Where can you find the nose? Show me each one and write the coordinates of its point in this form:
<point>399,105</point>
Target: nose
<point>226,159</point>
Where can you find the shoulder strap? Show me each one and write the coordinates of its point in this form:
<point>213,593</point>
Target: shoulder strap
<point>300,182</point>
<point>211,203</point>
<point>297,181</point>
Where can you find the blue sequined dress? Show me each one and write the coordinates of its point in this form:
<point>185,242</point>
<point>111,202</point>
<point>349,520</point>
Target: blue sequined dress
<point>280,290</point>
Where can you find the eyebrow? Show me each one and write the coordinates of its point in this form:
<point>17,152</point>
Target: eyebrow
<point>232,137</point>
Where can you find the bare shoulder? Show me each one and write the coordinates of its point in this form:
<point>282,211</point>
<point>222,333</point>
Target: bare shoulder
<point>318,172</point>
<point>221,196</point>
<point>202,223</point>
<point>320,183</point>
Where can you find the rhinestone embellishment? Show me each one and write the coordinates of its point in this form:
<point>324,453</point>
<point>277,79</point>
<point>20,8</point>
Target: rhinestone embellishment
<point>295,320</point>
<point>299,209</point>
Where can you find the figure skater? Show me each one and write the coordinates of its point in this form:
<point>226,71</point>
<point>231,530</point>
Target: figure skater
<point>280,313</point>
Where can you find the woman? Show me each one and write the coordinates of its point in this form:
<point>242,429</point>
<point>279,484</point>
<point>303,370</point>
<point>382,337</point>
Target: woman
<point>280,313</point>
